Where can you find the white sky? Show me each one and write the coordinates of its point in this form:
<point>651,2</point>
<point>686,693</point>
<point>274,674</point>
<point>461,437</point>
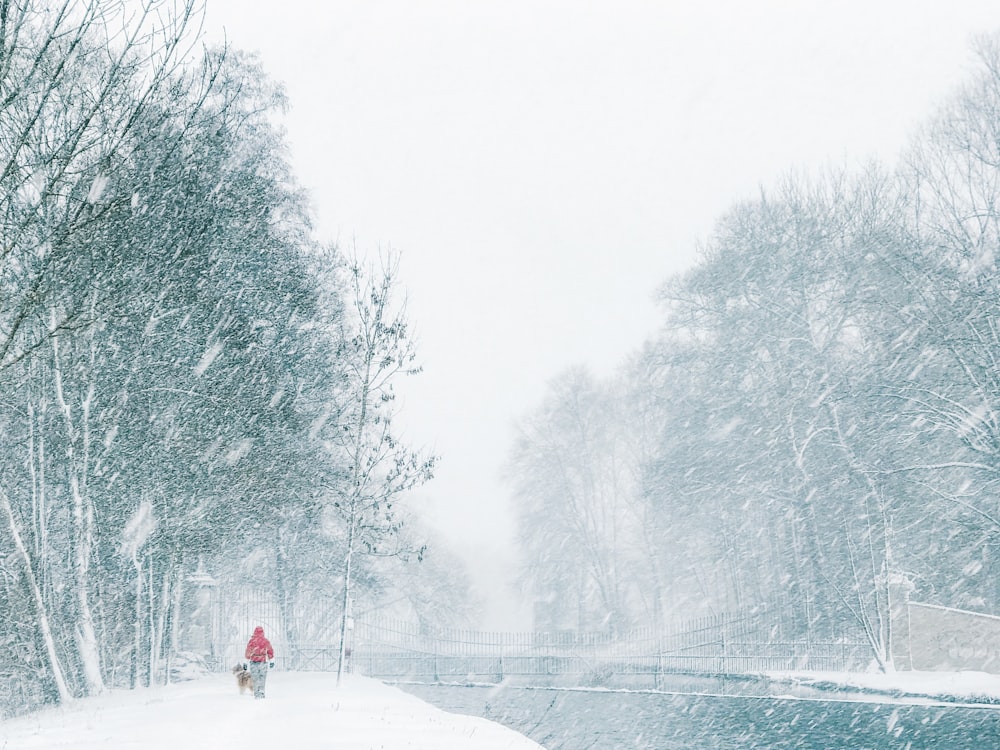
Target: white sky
<point>543,166</point>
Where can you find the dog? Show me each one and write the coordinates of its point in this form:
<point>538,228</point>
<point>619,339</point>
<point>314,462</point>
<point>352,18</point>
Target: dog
<point>243,679</point>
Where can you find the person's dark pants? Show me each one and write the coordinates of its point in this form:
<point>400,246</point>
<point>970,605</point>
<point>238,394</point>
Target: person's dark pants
<point>258,670</point>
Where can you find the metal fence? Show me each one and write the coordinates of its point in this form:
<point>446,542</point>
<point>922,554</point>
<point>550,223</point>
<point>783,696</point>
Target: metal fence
<point>725,644</point>
<point>308,640</point>
<point>305,637</point>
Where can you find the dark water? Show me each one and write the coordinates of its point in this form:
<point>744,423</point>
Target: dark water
<point>578,720</point>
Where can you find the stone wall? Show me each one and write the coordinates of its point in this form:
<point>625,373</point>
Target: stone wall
<point>947,640</point>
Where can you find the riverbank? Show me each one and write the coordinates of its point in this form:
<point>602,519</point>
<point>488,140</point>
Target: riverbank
<point>793,710</point>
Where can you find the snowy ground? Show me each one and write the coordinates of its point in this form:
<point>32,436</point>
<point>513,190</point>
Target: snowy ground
<point>305,711</point>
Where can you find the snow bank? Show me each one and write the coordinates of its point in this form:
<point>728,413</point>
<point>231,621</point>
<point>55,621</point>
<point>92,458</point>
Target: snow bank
<point>305,711</point>
<point>950,686</point>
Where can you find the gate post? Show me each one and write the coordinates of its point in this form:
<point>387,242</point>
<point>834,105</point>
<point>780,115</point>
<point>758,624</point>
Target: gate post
<point>198,614</point>
<point>899,589</point>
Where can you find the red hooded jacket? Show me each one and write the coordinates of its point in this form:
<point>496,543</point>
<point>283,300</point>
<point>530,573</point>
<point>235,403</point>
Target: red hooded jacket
<point>259,648</point>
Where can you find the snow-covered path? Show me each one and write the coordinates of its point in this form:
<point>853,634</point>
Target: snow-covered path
<point>302,711</point>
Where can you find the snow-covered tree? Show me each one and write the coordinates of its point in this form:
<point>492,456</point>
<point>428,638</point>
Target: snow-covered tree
<point>574,473</point>
<point>160,358</point>
<point>376,348</point>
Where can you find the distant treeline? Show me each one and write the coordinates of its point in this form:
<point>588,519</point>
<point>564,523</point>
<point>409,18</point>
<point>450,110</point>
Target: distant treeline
<point>818,418</point>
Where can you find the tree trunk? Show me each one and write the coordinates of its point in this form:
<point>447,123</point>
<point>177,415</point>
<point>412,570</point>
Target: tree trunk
<point>346,603</point>
<point>175,616</point>
<point>137,627</point>
<point>41,613</point>
<point>83,527</point>
<point>157,621</point>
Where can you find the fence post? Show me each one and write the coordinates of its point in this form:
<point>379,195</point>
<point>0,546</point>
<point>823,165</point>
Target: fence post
<point>843,650</point>
<point>437,676</point>
<point>722,660</point>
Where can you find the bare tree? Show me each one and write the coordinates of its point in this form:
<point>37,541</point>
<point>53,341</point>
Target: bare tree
<point>376,349</point>
<point>575,479</point>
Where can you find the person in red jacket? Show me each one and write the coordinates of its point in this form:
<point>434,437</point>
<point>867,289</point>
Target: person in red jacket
<point>260,655</point>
